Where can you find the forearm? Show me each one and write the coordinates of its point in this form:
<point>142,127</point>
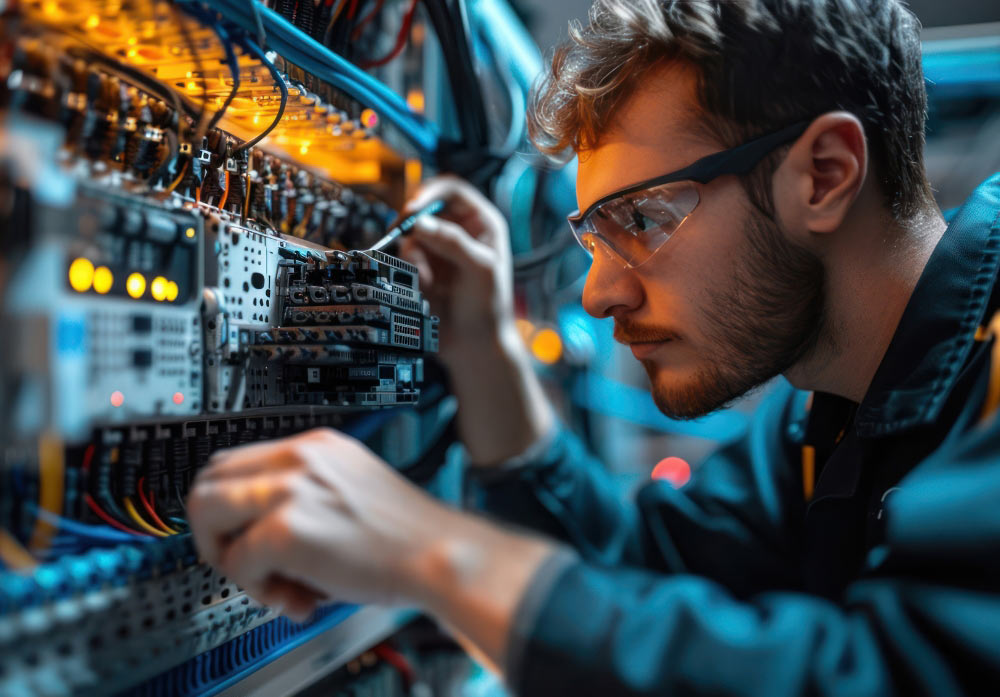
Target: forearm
<point>473,580</point>
<point>502,407</point>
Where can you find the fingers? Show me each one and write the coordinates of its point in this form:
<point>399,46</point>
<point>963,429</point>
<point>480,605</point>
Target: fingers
<point>460,198</point>
<point>218,510</point>
<point>451,242</point>
<point>464,205</point>
<point>250,558</point>
<point>296,600</point>
<point>260,458</point>
<point>414,253</point>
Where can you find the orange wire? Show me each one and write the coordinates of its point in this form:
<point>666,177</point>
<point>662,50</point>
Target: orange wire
<point>148,505</point>
<point>108,519</point>
<point>225,194</point>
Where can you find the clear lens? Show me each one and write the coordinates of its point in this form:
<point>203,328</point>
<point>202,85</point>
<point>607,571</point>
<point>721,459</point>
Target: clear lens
<point>636,225</point>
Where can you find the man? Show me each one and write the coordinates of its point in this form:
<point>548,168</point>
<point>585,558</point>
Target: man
<point>849,545</point>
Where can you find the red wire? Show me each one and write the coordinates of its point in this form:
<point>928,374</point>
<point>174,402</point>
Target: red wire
<point>404,32</point>
<point>366,20</point>
<point>88,456</point>
<point>108,519</point>
<point>148,505</point>
<point>397,661</point>
<point>353,8</point>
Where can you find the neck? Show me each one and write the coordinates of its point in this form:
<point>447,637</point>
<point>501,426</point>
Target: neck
<point>872,267</point>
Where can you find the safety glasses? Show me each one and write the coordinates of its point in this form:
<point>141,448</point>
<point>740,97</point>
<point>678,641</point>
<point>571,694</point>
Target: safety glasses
<point>636,221</point>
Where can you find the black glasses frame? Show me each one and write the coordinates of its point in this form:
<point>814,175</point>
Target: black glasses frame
<point>738,160</point>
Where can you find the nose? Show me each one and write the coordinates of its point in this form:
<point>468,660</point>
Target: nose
<point>611,287</point>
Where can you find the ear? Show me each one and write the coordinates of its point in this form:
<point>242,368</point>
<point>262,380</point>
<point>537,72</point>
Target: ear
<point>822,175</point>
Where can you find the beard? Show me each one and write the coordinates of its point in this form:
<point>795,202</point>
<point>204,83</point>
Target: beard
<point>765,321</point>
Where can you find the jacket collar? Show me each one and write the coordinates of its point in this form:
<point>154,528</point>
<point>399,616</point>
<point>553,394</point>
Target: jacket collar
<point>938,326</point>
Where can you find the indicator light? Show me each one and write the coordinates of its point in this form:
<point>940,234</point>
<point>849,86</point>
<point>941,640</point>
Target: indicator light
<point>304,149</point>
<point>190,233</point>
<point>117,399</point>
<point>81,275</point>
<point>546,346</point>
<point>674,470</point>
<point>158,289</point>
<point>178,398</point>
<point>135,285</point>
<point>369,118</point>
<point>103,279</point>
<point>92,21</point>
<point>415,100</point>
<point>172,291</point>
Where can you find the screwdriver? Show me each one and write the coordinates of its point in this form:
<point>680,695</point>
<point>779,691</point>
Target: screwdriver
<point>406,225</point>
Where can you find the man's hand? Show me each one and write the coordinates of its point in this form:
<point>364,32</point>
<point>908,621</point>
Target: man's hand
<point>465,270</point>
<point>463,255</point>
<point>319,516</point>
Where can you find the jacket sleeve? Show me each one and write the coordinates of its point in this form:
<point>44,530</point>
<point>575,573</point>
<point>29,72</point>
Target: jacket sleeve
<point>743,499</point>
<point>923,618</point>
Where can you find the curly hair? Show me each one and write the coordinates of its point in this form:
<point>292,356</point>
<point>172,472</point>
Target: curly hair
<point>760,65</point>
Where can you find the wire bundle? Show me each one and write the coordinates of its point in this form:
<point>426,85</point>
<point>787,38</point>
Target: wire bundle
<point>310,55</point>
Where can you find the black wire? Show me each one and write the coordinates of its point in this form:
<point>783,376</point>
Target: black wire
<point>234,69</point>
<point>465,88</point>
<point>259,52</point>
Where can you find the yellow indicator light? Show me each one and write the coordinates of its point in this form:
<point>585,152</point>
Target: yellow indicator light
<point>547,346</point>
<point>304,148</point>
<point>256,119</point>
<point>190,233</point>
<point>103,279</point>
<point>158,289</point>
<point>132,53</point>
<point>192,85</point>
<point>135,285</point>
<point>132,40</point>
<point>92,21</point>
<point>172,291</point>
<point>81,275</point>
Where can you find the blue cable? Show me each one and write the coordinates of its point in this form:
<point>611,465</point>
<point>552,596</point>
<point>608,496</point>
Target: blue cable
<point>307,53</point>
<point>93,532</point>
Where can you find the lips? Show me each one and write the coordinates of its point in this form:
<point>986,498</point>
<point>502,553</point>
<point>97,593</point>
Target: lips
<point>643,349</point>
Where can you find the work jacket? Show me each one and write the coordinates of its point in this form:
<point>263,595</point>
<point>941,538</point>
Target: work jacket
<point>838,549</point>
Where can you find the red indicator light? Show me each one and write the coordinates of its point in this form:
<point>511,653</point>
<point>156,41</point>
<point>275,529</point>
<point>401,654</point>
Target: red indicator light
<point>674,470</point>
<point>178,398</point>
<point>117,399</point>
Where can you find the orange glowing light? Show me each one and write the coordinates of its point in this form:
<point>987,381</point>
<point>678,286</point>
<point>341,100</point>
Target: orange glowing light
<point>547,346</point>
<point>117,399</point>
<point>369,119</point>
<point>415,100</point>
<point>178,398</point>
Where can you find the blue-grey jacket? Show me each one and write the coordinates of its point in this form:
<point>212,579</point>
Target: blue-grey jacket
<point>885,581</point>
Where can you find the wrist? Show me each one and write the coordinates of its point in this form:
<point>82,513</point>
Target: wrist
<point>473,578</point>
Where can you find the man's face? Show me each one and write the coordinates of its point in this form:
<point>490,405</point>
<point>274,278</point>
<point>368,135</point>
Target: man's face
<point>728,302</point>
